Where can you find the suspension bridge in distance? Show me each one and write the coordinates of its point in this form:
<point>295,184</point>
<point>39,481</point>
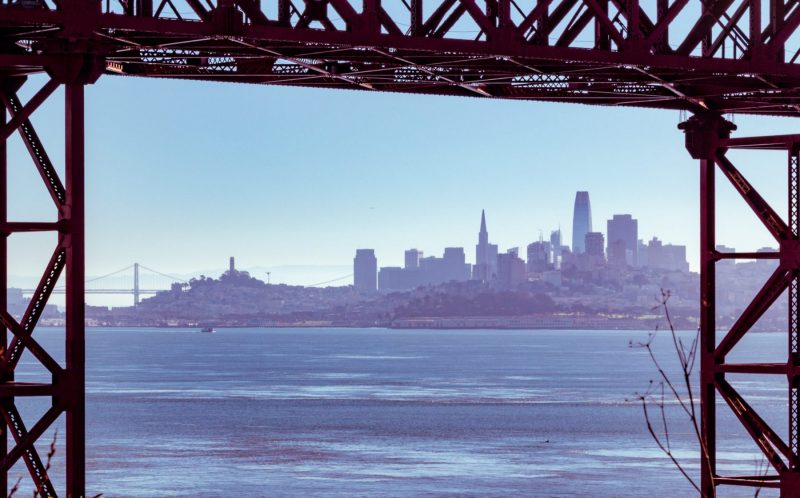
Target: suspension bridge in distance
<point>136,280</point>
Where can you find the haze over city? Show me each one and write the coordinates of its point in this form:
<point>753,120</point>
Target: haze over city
<point>185,191</point>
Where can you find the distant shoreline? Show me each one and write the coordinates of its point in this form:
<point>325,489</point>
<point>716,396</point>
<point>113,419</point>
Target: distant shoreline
<point>383,327</point>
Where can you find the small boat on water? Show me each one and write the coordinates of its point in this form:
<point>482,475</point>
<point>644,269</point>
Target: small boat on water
<point>207,330</point>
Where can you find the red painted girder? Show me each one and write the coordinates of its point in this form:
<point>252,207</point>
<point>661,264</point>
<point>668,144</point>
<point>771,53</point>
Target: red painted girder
<point>763,211</point>
<point>703,25</point>
<point>754,368</point>
<point>662,25</point>
<point>500,47</point>
<point>26,340</point>
<point>752,481</point>
<point>25,389</point>
<point>14,227</point>
<point>746,255</point>
<point>770,142</point>
<point>601,16</point>
<point>30,438</point>
<point>35,148</point>
<point>771,290</point>
<point>28,109</point>
<point>12,355</point>
<point>767,440</point>
<point>36,468</point>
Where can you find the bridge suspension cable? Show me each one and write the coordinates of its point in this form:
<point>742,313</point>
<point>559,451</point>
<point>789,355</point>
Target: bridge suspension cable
<point>330,281</point>
<point>143,267</point>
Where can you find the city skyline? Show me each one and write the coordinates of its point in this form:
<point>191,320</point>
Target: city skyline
<point>619,248</point>
<point>246,191</point>
<point>301,274</point>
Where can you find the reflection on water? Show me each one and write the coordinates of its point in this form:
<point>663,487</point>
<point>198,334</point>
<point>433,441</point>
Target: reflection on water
<point>341,413</point>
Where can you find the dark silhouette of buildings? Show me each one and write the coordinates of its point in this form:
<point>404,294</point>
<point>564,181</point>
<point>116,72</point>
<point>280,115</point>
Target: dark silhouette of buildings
<point>595,248</point>
<point>412,258</point>
<point>556,247</point>
<point>485,255</point>
<point>581,222</point>
<point>603,259</point>
<point>539,256</point>
<point>666,256</point>
<point>623,240</point>
<point>365,270</point>
<point>418,271</point>
<point>510,270</point>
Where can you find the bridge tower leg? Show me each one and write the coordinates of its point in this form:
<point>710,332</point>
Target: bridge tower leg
<point>708,140</point>
<point>136,284</point>
<point>3,275</point>
<point>65,388</point>
<point>74,388</point>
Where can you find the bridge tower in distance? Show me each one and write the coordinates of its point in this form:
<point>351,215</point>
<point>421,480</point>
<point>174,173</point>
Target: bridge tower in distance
<point>136,284</point>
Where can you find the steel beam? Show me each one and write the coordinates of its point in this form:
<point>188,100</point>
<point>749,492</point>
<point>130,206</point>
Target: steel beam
<point>724,63</point>
<point>3,278</point>
<point>66,390</point>
<point>75,272</point>
<point>707,139</point>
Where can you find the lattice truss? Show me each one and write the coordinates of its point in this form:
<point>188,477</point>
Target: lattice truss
<point>782,455</point>
<point>66,388</point>
<point>722,55</point>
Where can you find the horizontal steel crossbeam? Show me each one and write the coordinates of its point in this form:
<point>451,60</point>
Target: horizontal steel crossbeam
<point>641,54</point>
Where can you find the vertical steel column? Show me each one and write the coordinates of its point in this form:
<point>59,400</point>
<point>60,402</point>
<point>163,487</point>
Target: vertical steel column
<point>75,331</point>
<point>602,39</point>
<point>707,326</point>
<point>3,276</point>
<point>416,17</point>
<point>777,15</point>
<point>703,135</point>
<point>794,304</point>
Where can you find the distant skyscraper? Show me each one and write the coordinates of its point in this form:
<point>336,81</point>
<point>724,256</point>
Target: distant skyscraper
<point>539,257</point>
<point>666,257</point>
<point>555,238</point>
<point>595,245</point>
<point>392,278</point>
<point>555,246</point>
<point>581,222</point>
<point>623,239</point>
<point>485,254</point>
<point>232,265</point>
<point>510,270</point>
<point>452,267</point>
<point>365,270</point>
<point>412,258</point>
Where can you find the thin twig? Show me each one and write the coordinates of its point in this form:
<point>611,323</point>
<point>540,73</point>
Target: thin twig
<point>687,356</point>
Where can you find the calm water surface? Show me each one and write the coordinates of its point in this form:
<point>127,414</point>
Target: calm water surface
<point>369,412</point>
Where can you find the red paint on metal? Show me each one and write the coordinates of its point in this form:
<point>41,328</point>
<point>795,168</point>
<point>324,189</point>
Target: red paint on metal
<point>726,62</point>
<point>707,140</point>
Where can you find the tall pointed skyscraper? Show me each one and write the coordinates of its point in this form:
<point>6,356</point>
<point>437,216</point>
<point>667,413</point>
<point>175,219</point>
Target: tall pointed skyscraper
<point>581,222</point>
<point>485,255</point>
<point>483,235</point>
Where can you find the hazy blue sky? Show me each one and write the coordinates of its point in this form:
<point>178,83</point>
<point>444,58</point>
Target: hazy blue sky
<point>181,175</point>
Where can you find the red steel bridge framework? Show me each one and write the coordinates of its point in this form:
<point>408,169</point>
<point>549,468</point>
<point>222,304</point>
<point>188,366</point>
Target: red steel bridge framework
<point>708,57</point>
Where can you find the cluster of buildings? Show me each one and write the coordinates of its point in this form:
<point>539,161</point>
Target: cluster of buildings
<point>620,246</point>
